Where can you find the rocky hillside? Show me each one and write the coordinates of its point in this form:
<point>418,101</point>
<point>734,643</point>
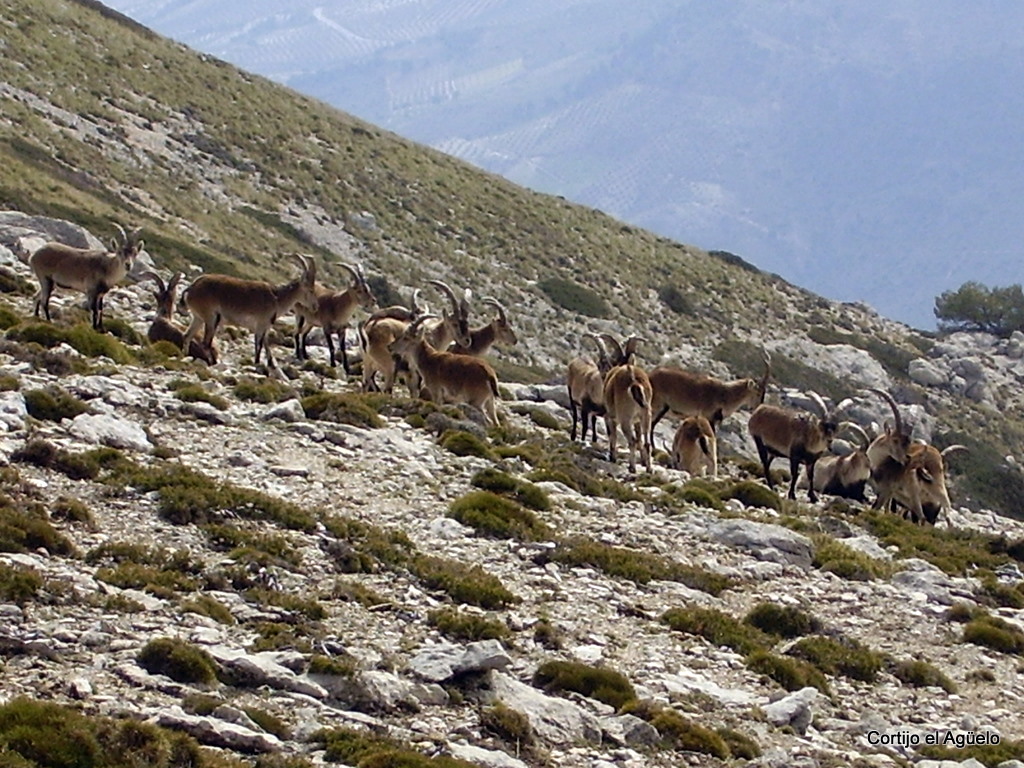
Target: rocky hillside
<point>296,574</point>
<point>268,564</point>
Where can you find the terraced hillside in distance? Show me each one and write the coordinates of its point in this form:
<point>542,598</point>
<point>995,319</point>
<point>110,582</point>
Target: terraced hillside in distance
<point>212,565</point>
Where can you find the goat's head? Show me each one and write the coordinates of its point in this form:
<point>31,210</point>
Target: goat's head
<point>360,289</point>
<point>129,247</point>
<point>503,333</point>
<point>458,318</point>
<point>895,441</point>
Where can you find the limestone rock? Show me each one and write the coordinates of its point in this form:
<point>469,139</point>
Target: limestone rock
<point>765,541</point>
<point>555,720</point>
<point>111,431</point>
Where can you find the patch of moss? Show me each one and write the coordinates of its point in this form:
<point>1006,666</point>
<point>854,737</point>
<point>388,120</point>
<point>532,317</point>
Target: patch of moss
<point>989,755</point>
<point>844,657</point>
<point>467,627</point>
<point>338,666</point>
<point>717,627</point>
<point>791,674</point>
<point>467,584</point>
<point>523,491</point>
<point>179,660</point>
<point>187,496</point>
<point>573,297</point>
<point>263,390</point>
<point>208,606</point>
<point>678,732</point>
<point>343,745</point>
<point>463,443</point>
<point>921,674</point>
<point>189,392</point>
<point>343,408</point>
<point>507,724</point>
<point>992,632</point>
<point>781,620</point>
<point>833,556</point>
<point>19,585</point>
<point>53,404</point>
<point>72,510</point>
<point>498,517</point>
<point>752,494</point>
<point>37,733</point>
<point>25,527</point>
<point>636,566</point>
<point>605,685</point>
<point>81,337</point>
<point>364,548</point>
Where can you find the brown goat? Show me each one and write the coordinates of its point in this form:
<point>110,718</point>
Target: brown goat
<point>585,382</point>
<point>163,327</point>
<point>801,437</point>
<point>685,393</point>
<point>92,272</point>
<point>253,304</point>
<point>448,377</point>
<point>498,331</point>
<point>627,400</point>
<point>917,483</point>
<point>334,309</point>
<point>695,447</point>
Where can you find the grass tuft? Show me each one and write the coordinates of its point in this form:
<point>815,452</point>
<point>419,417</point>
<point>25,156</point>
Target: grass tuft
<point>605,685</point>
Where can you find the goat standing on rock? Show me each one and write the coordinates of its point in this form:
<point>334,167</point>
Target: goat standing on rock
<point>93,272</point>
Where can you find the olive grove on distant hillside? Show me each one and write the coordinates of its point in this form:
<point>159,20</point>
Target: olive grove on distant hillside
<point>976,307</point>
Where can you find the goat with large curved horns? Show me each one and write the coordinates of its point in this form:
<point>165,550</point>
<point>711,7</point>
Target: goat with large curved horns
<point>91,271</point>
<point>253,304</point>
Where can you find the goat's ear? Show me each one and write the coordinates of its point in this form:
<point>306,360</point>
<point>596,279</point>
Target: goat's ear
<point>114,247</point>
<point>139,246</point>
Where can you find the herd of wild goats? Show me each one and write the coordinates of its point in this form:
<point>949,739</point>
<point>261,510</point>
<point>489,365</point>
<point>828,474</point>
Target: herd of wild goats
<point>441,357</point>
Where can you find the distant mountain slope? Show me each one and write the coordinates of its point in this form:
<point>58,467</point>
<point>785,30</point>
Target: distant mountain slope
<point>867,151</point>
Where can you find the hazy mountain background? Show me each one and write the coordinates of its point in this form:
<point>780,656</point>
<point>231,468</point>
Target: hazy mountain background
<point>866,151</point>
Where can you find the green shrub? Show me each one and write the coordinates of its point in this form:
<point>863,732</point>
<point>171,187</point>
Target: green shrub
<point>181,661</point>
<point>989,755</point>
<point>498,517</point>
<point>72,510</point>
<point>523,491</point>
<point>81,337</point>
<point>367,750</point>
<point>263,390</point>
<point>921,674</point>
<point>338,666</point>
<point>992,632</point>
<point>187,496</point>
<point>471,585</point>
<point>25,528</point>
<point>844,657</point>
<point>467,627</point>
<point>354,592</point>
<point>605,685</point>
<point>9,383</point>
<point>547,634</point>
<point>833,556</point>
<point>702,497</point>
<point>189,392</point>
<point>679,302</point>
<point>716,627</point>
<point>204,605</point>
<point>465,444</point>
<point>507,724</point>
<point>574,297</point>
<point>791,674</point>
<point>781,620</point>
<point>342,408</point>
<point>303,607</point>
<point>364,548</point>
<point>638,567</point>
<point>538,416</point>
<point>53,404</point>
<point>677,732</point>
<point>739,744</point>
<point>753,494</point>
<point>18,584</point>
